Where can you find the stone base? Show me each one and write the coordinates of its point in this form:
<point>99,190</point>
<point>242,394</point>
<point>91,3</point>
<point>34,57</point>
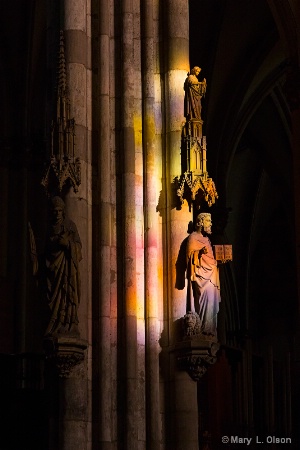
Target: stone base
<point>197,354</point>
<point>64,352</point>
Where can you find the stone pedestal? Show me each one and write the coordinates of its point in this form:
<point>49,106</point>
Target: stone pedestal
<point>188,360</point>
<point>65,355</point>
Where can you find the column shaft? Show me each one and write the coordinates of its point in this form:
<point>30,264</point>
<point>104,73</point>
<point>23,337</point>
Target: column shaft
<point>129,228</point>
<point>151,181</point>
<point>104,179</point>
<point>183,411</point>
<point>73,393</point>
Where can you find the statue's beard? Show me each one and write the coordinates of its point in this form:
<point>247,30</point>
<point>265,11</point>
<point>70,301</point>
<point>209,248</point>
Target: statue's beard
<point>207,230</point>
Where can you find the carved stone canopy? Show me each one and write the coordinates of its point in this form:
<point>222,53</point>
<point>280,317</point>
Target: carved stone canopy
<point>196,188</point>
<point>64,166</point>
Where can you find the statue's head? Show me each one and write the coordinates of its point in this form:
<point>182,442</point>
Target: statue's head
<point>57,209</point>
<point>190,320</point>
<point>191,323</point>
<point>195,71</point>
<point>204,223</point>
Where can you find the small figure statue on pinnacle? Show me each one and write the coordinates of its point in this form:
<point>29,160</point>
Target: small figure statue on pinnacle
<point>194,91</point>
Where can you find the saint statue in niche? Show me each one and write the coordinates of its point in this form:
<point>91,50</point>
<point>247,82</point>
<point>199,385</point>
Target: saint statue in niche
<point>58,274</point>
<point>194,91</point>
<point>203,293</point>
<point>63,254</point>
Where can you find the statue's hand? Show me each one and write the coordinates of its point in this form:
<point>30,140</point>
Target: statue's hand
<point>203,251</point>
<point>63,241</point>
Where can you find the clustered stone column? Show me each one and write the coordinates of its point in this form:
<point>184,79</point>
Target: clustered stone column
<point>137,381</point>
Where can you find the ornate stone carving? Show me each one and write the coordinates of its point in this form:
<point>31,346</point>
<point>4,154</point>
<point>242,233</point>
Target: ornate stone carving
<point>194,91</point>
<point>195,184</point>
<point>195,188</point>
<point>203,293</point>
<point>197,351</point>
<point>60,171</point>
<point>58,270</point>
<point>191,323</point>
<point>196,355</point>
<point>64,353</point>
<point>64,166</point>
<point>63,254</point>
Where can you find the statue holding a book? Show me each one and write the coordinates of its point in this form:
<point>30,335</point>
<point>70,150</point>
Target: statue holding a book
<point>203,294</point>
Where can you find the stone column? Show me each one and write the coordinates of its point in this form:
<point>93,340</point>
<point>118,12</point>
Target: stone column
<point>177,66</point>
<point>78,68</point>
<point>151,182</point>
<point>104,229</point>
<point>182,414</point>
<point>129,281</point>
<point>73,411</point>
<point>73,392</point>
<point>115,181</point>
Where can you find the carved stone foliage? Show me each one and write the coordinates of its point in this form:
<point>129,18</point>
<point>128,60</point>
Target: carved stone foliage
<point>64,353</point>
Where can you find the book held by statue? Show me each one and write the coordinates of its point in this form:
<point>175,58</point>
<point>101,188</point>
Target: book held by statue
<point>223,252</point>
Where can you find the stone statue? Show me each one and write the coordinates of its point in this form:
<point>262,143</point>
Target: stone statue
<point>62,254</point>
<point>194,91</point>
<point>203,276</point>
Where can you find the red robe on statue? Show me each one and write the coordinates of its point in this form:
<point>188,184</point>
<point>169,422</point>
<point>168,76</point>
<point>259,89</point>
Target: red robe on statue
<point>203,282</point>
